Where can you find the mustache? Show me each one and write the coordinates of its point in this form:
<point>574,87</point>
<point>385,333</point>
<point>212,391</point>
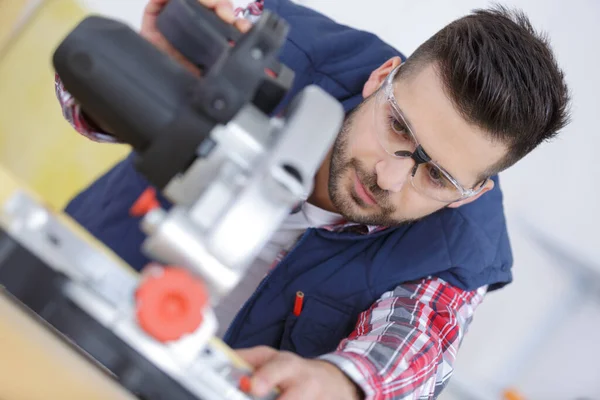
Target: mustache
<point>369,180</point>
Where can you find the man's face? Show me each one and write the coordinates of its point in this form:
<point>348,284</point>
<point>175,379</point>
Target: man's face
<point>368,185</point>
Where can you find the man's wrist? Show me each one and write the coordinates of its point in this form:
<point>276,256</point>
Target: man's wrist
<point>352,389</point>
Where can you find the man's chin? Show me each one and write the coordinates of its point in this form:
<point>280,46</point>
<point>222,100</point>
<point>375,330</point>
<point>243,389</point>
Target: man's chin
<point>372,215</point>
<point>360,215</point>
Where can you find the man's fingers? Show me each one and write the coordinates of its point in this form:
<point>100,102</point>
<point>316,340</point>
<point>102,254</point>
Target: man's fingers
<point>243,25</point>
<point>151,11</point>
<point>298,392</point>
<point>257,356</point>
<point>154,7</point>
<point>281,371</point>
<point>208,3</point>
<point>224,10</point>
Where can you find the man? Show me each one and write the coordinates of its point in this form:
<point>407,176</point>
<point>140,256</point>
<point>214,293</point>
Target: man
<point>404,232</point>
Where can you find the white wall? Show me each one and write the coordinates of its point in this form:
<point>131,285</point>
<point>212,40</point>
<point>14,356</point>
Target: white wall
<point>521,335</point>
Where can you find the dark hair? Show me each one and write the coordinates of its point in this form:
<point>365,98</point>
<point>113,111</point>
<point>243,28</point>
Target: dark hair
<point>501,76</point>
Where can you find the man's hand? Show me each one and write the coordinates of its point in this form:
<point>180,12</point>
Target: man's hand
<point>297,378</point>
<point>223,8</point>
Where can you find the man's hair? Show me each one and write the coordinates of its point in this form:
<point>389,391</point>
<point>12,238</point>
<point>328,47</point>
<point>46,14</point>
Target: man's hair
<point>501,76</point>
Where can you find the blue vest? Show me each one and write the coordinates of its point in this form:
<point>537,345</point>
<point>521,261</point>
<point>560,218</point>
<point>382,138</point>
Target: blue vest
<point>341,274</point>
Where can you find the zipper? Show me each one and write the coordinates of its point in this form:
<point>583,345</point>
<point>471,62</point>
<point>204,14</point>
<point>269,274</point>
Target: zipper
<point>251,299</point>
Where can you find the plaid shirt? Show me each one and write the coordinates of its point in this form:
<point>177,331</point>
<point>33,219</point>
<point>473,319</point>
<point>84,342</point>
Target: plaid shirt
<point>405,344</point>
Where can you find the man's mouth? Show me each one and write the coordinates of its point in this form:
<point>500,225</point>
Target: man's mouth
<point>362,192</point>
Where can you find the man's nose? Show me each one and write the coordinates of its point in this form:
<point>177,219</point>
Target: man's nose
<point>392,173</point>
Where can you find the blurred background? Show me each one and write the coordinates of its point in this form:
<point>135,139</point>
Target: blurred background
<point>538,338</point>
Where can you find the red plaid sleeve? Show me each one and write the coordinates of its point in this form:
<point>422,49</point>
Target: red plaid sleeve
<point>405,345</point>
<point>252,11</point>
<point>73,114</point>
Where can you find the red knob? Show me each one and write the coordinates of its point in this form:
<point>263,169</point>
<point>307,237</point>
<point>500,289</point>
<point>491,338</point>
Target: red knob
<point>170,304</point>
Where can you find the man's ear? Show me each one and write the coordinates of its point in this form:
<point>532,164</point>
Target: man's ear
<point>489,185</point>
<point>378,76</point>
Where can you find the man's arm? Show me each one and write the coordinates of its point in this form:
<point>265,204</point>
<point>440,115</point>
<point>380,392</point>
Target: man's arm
<point>405,345</point>
<point>403,348</point>
<point>72,110</point>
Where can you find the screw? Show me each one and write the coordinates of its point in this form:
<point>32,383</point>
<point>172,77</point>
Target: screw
<point>219,104</point>
<point>256,53</point>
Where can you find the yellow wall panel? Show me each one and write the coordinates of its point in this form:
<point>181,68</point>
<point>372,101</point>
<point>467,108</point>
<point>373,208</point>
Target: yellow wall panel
<point>36,143</point>
<point>10,10</point>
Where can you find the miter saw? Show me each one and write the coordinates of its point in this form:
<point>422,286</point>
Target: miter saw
<point>213,141</point>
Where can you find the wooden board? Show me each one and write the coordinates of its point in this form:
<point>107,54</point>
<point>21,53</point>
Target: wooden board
<point>36,365</point>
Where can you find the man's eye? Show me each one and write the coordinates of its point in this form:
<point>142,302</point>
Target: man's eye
<point>435,174</point>
<point>436,177</point>
<point>399,130</point>
<point>399,127</point>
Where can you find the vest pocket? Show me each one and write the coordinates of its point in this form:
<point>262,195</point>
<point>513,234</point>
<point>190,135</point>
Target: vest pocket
<point>318,329</point>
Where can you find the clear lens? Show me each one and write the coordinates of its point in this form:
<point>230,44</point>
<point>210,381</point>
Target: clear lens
<point>396,138</point>
<point>432,182</point>
<point>392,132</point>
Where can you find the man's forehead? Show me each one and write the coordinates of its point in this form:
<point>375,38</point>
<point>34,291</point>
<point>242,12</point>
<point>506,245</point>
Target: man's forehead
<point>462,149</point>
